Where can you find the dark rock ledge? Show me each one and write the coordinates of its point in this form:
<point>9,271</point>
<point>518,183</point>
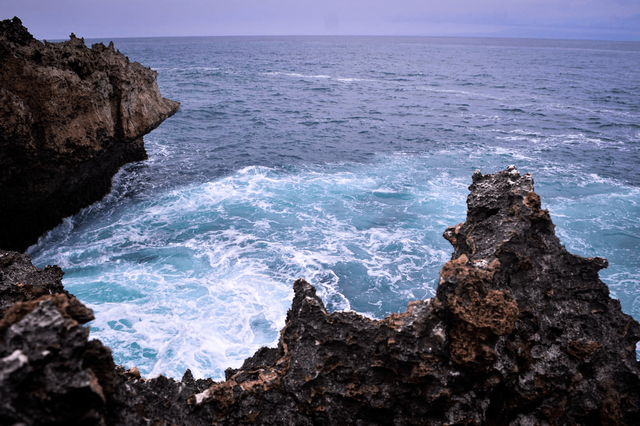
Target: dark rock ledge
<point>70,117</point>
<point>521,332</point>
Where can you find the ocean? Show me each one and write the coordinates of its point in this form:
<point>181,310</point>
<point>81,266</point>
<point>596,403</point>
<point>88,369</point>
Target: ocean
<point>341,160</point>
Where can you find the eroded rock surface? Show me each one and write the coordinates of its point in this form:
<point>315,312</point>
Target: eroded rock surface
<point>521,332</point>
<point>70,117</point>
<point>20,281</point>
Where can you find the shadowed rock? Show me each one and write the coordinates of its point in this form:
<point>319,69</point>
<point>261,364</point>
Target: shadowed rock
<point>70,117</point>
<point>520,332</point>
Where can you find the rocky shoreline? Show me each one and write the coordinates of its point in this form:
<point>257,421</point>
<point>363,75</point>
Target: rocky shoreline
<point>521,332</point>
<point>70,117</point>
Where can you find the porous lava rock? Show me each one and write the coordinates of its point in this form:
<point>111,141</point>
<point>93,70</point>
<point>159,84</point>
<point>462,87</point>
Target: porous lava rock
<point>43,379</point>
<point>520,332</point>
<point>70,117</point>
<point>21,281</point>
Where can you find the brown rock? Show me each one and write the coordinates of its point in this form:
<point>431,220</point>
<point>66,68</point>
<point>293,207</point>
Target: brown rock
<point>70,117</point>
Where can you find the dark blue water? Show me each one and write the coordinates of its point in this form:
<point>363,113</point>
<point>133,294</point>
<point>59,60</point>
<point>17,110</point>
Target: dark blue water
<point>341,160</point>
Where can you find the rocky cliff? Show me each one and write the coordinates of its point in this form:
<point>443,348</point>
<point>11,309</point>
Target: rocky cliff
<point>70,117</point>
<point>521,332</point>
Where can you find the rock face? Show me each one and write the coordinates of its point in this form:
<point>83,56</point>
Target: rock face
<point>521,332</point>
<point>70,117</point>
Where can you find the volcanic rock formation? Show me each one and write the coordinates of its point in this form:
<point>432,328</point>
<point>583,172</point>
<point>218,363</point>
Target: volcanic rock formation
<point>521,332</point>
<point>70,117</point>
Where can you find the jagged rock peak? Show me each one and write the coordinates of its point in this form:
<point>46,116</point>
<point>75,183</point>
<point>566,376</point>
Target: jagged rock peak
<point>521,332</point>
<point>15,32</point>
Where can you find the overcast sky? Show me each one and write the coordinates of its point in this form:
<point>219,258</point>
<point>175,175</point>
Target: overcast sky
<point>582,19</point>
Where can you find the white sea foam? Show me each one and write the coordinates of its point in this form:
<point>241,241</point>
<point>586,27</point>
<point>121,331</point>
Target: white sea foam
<point>516,154</point>
<point>463,93</point>
<point>321,77</point>
<point>298,75</point>
<point>186,68</point>
<point>353,79</point>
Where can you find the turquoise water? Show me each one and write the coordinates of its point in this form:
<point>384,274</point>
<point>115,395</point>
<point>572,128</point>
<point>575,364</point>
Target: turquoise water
<point>341,160</point>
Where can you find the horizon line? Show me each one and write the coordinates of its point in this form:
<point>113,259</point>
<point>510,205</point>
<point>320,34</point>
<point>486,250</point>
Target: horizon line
<point>476,36</point>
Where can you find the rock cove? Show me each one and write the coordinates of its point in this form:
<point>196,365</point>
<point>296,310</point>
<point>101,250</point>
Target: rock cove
<point>520,332</point>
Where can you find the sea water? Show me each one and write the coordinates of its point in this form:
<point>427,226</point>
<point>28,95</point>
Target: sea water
<point>341,160</point>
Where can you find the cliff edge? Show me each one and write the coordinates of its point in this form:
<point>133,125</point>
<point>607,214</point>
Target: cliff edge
<point>521,332</point>
<point>70,117</point>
